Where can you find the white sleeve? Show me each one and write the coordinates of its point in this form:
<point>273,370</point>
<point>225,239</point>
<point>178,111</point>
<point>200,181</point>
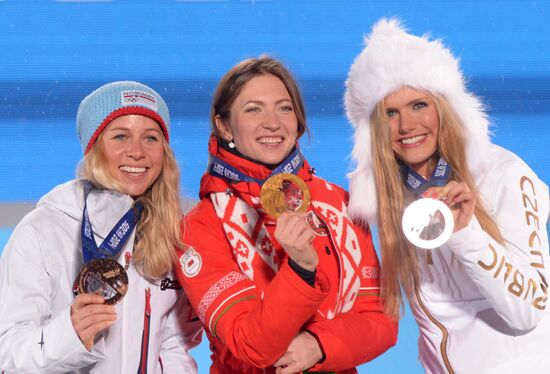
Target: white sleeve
<point>183,331</point>
<point>32,340</point>
<point>513,276</point>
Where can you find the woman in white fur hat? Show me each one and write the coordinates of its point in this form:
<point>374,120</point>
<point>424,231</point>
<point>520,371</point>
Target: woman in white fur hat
<point>480,298</point>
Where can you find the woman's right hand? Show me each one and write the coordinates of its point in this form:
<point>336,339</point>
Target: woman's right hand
<point>90,315</point>
<point>296,237</point>
<point>459,198</point>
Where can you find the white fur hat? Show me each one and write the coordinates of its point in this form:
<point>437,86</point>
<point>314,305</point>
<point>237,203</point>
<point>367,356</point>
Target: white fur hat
<point>391,59</point>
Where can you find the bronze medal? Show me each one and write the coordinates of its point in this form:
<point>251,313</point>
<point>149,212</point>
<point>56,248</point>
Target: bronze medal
<point>104,277</point>
<point>284,193</point>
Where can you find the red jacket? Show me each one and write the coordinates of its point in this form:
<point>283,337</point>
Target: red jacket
<point>253,304</point>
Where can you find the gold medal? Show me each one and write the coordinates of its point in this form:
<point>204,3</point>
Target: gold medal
<point>104,277</point>
<point>284,193</point>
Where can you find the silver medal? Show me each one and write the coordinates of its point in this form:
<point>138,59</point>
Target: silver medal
<point>428,223</point>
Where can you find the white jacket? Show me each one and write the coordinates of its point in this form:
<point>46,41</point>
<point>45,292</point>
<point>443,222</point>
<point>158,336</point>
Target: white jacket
<point>38,267</point>
<point>482,307</point>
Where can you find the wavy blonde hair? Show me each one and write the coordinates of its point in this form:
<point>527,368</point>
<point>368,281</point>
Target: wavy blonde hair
<point>399,263</point>
<point>158,230</point>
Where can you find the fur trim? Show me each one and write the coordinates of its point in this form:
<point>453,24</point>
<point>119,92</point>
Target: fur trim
<point>391,59</point>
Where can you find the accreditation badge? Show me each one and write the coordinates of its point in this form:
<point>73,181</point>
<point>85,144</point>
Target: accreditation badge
<point>104,277</point>
<point>284,192</point>
<point>428,223</point>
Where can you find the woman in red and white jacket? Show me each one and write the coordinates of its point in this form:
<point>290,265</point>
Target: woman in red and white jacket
<point>284,294</point>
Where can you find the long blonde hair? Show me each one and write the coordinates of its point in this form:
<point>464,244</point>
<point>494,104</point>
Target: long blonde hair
<point>158,230</point>
<point>399,263</point>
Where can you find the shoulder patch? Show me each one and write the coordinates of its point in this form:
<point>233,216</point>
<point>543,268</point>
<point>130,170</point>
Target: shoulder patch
<point>191,262</point>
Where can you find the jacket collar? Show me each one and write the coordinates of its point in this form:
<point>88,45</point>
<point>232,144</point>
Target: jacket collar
<point>210,183</point>
<point>105,207</point>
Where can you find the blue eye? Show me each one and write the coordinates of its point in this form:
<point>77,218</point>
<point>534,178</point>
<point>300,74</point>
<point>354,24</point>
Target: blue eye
<point>420,105</point>
<point>120,137</point>
<point>391,113</point>
<point>151,139</point>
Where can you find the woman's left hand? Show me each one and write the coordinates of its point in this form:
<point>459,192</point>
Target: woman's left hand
<point>303,353</point>
<point>459,199</point>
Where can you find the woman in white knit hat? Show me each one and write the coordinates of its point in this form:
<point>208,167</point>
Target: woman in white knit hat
<point>477,284</point>
<point>85,279</point>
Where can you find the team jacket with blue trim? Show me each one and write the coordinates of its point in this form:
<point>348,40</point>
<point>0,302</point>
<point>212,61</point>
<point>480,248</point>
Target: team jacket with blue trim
<point>253,304</point>
<point>39,264</point>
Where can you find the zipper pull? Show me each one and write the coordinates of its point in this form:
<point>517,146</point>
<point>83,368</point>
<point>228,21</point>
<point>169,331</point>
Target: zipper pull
<point>148,302</point>
<point>127,260</point>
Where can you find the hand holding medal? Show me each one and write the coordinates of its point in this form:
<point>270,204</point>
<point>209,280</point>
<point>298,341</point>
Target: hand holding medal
<point>428,222</point>
<point>286,197</point>
<point>89,316</point>
<point>460,200</point>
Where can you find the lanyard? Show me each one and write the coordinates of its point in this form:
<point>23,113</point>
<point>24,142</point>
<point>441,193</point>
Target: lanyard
<point>115,240</point>
<point>417,184</point>
<point>222,169</point>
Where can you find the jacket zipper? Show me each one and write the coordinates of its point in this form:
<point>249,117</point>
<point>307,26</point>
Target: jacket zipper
<point>142,369</point>
<point>444,331</point>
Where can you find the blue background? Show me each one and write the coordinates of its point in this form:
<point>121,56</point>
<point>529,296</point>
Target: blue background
<point>56,52</point>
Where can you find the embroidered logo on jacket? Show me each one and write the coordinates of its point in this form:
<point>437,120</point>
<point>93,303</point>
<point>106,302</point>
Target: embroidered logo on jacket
<point>191,263</point>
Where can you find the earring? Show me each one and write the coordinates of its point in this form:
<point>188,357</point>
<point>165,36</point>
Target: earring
<point>231,144</point>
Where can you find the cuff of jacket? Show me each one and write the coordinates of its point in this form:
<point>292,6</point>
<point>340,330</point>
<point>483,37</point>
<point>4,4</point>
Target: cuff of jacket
<point>64,345</point>
<point>330,345</point>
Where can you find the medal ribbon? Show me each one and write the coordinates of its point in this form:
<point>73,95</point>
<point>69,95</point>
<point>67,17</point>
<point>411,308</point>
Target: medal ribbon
<point>417,184</point>
<point>222,169</point>
<point>115,240</point>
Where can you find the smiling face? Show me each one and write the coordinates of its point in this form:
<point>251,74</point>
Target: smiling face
<point>414,126</point>
<point>134,152</point>
<point>262,122</point>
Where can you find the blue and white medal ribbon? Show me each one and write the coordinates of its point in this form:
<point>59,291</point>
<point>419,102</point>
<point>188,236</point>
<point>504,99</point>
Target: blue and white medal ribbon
<point>417,184</point>
<point>101,274</point>
<point>427,223</point>
<point>115,240</point>
<point>222,169</point>
<point>282,191</point>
